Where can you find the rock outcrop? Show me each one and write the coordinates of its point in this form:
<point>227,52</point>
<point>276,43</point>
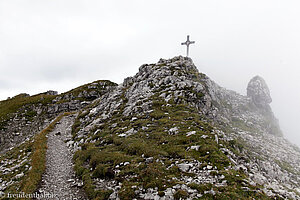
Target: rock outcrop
<point>258,91</point>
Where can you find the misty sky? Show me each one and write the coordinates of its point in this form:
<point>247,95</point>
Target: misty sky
<point>59,45</point>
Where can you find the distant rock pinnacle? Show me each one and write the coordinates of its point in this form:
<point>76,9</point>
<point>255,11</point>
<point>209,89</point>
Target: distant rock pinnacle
<point>258,91</point>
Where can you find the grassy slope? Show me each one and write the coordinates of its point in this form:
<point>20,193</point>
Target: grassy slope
<point>111,150</point>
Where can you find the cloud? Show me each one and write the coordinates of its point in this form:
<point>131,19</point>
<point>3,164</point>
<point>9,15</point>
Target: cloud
<point>4,84</point>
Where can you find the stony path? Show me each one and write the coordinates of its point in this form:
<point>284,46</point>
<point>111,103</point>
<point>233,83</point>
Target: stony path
<point>59,178</point>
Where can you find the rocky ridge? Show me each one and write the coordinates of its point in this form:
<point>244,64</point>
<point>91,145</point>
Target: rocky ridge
<point>170,116</point>
<point>170,132</point>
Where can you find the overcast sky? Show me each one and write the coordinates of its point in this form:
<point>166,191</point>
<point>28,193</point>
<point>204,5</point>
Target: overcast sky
<point>61,44</point>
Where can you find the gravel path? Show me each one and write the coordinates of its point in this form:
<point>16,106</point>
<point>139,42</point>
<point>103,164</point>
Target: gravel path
<point>59,178</point>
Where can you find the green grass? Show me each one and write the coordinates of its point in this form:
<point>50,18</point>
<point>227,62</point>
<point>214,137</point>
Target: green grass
<point>287,167</point>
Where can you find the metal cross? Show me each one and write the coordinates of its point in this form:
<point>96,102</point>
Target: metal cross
<point>187,43</point>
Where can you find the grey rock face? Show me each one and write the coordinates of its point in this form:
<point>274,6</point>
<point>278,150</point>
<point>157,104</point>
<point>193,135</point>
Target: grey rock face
<point>258,91</point>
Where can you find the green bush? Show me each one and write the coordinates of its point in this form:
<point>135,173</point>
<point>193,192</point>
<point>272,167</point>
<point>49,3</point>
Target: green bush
<point>180,194</point>
<point>103,171</point>
<point>175,151</point>
<point>127,193</point>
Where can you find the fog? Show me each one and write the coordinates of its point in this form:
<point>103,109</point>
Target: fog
<point>59,45</point>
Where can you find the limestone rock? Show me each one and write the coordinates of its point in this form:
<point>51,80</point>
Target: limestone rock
<point>258,91</point>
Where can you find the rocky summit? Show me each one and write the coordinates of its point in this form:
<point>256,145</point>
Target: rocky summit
<point>169,132</point>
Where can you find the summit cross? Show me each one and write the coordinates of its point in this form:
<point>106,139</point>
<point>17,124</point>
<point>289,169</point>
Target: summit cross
<point>187,43</point>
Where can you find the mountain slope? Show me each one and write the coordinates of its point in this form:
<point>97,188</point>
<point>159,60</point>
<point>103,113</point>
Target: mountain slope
<point>23,116</point>
<point>25,122</point>
<point>170,132</point>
